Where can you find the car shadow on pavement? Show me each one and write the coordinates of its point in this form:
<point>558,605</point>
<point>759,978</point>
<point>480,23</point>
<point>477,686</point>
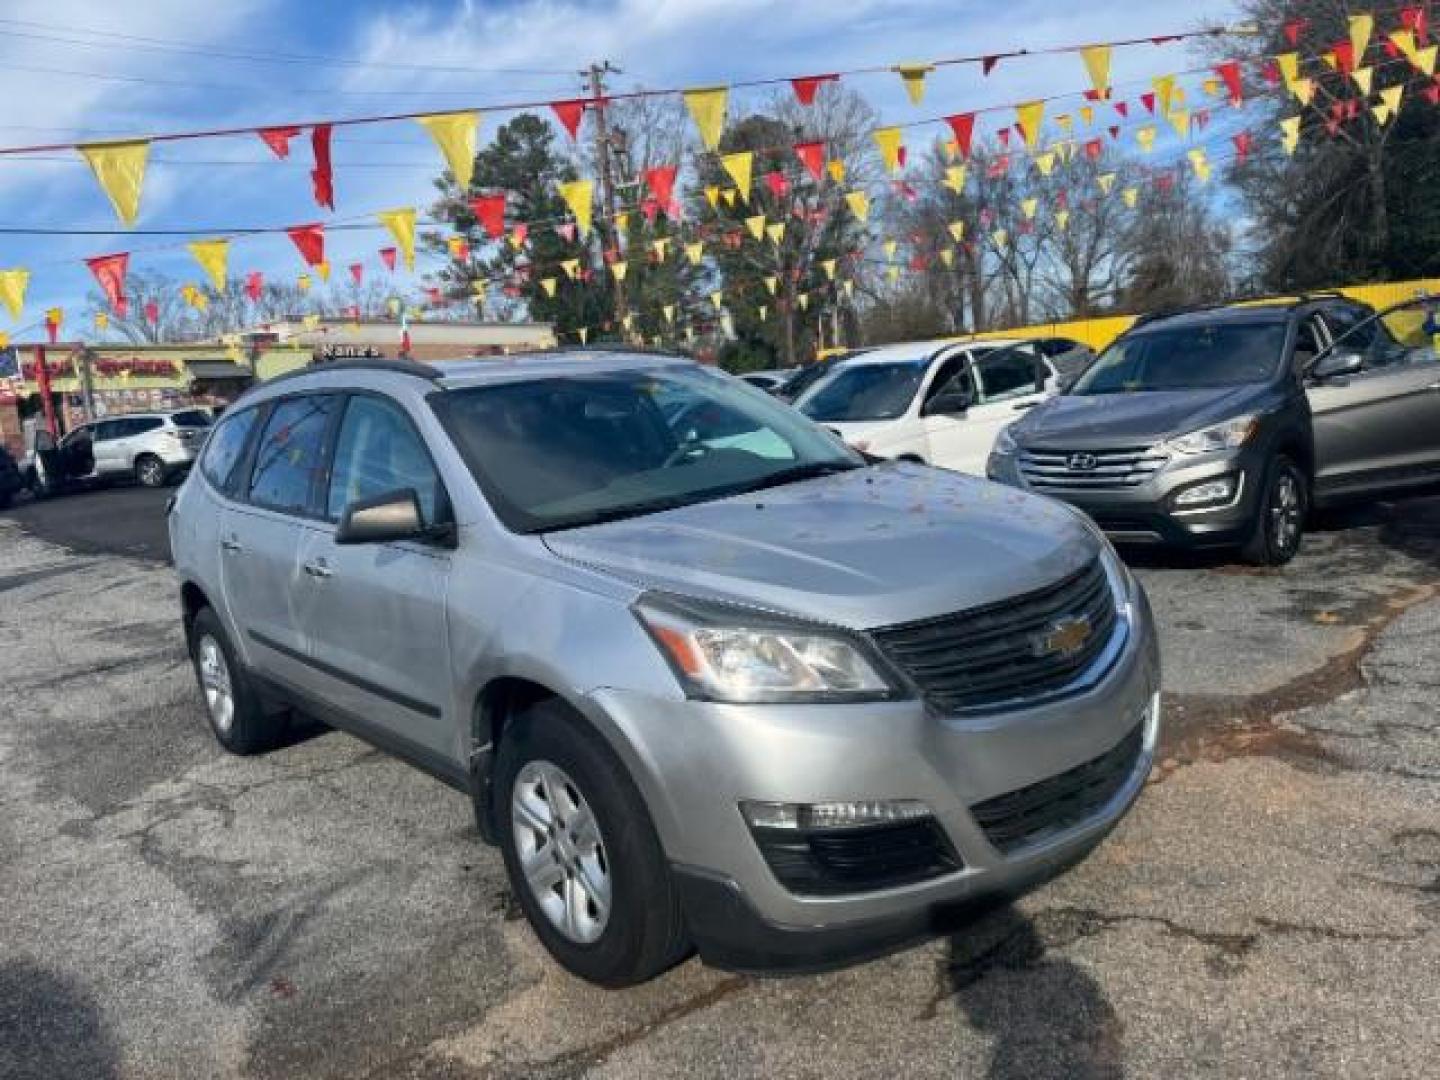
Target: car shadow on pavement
<point>51,1028</point>
<point>1047,1017</point>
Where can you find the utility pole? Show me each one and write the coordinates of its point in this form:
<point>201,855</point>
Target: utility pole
<point>596,74</point>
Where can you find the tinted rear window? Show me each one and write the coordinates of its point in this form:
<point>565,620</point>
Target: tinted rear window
<point>290,459</point>
<point>191,418</point>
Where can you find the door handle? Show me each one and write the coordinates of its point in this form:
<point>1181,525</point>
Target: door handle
<point>1021,406</point>
<point>318,569</point>
<point>231,544</point>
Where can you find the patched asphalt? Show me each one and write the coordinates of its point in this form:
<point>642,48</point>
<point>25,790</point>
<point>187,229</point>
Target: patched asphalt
<point>1269,908</point>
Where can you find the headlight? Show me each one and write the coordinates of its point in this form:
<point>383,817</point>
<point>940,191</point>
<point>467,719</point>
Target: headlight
<point>736,655</point>
<point>1223,436</point>
<point>1004,442</point>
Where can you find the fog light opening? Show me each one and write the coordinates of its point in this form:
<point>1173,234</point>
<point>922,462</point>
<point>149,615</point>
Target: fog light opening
<point>832,815</point>
<point>1208,494</point>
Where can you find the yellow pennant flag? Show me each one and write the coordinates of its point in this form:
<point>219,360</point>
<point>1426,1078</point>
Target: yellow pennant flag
<point>772,283</point>
<point>13,284</point>
<point>1211,87</point>
<point>712,196</point>
<point>804,299</point>
<point>756,224</point>
<point>1404,41</point>
<point>120,169</point>
<point>669,310</point>
<point>303,283</point>
<point>1164,87</point>
<point>661,247</point>
<point>729,196</point>
<point>1001,238</point>
<point>1289,65</point>
<point>102,320</point>
<point>1290,129</point>
<point>628,322</point>
<point>893,273</point>
<point>888,140</point>
<point>849,287</point>
<point>1097,64</point>
<point>454,134</point>
<point>836,169</point>
<point>619,268</point>
<point>570,267</point>
<point>213,257</point>
<point>401,224</point>
<point>707,108</point>
<point>323,269</point>
<point>1424,59</point>
<point>1030,116</point>
<point>478,287</point>
<point>1361,27</point>
<point>1062,219</point>
<point>1131,195</point>
<point>762,311</point>
<point>1364,79</point>
<point>947,257</point>
<point>1145,136</point>
<point>1064,123</point>
<point>828,265</point>
<point>776,232</point>
<point>957,231</point>
<point>622,223</point>
<point>891,246</point>
<point>694,252</point>
<point>1198,162</point>
<point>859,204</point>
<point>1045,162</point>
<point>738,166</point>
<point>1106,182</point>
<point>717,298</point>
<point>4,340</point>
<point>1180,121</point>
<point>548,284</point>
<point>1087,114</point>
<point>579,197</point>
<point>913,75</point>
<point>955,179</point>
<point>1389,103</point>
<point>584,335</point>
<point>1029,208</point>
<point>1304,90</point>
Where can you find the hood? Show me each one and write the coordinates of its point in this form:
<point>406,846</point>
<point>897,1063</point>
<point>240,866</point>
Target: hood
<point>861,549</point>
<point>1103,420</point>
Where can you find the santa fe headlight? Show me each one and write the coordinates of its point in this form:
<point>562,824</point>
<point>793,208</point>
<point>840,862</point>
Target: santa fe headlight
<point>734,654</point>
<point>1226,435</point>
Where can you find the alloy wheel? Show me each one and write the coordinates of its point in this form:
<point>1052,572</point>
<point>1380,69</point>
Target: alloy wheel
<point>561,852</point>
<point>215,682</point>
<point>152,473</point>
<point>1286,513</point>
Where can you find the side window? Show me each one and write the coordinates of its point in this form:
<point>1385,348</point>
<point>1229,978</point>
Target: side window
<point>380,451</point>
<point>225,446</point>
<point>290,459</point>
<point>1007,374</point>
<point>144,425</point>
<point>1309,341</point>
<point>952,378</point>
<point>101,431</point>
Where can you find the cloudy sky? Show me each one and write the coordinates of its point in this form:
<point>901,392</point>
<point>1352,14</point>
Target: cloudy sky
<point>81,70</point>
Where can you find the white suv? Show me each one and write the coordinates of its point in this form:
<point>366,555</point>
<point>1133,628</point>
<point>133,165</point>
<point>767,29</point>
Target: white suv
<point>151,447</point>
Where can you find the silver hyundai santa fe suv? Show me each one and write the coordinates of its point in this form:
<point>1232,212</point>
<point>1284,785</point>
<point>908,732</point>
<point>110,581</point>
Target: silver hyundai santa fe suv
<point>711,680</point>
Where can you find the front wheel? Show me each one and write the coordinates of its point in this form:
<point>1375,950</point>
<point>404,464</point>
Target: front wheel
<point>1280,517</point>
<point>237,715</point>
<point>150,471</point>
<point>582,855</point>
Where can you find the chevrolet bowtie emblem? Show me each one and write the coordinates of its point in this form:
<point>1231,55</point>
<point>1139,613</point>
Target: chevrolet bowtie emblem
<point>1064,637</point>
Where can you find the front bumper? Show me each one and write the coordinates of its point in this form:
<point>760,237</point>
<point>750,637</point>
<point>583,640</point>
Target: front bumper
<point>1147,513</point>
<point>695,762</point>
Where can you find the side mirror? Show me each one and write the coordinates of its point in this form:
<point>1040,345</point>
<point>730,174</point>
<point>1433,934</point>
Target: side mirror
<point>952,403</point>
<point>387,518</point>
<point>1338,364</point>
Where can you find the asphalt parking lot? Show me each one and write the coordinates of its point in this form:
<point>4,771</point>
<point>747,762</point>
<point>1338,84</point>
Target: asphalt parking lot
<point>1270,908</point>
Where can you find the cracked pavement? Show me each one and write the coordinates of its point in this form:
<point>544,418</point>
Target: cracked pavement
<point>1270,908</point>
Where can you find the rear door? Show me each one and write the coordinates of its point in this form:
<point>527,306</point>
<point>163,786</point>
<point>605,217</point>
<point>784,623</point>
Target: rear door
<point>1379,428</point>
<point>946,435</point>
<point>261,536</point>
<point>376,612</point>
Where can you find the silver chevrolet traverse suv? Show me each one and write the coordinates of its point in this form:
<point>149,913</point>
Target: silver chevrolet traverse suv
<point>710,679</point>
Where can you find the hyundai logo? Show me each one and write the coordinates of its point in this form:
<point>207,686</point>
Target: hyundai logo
<point>1064,637</point>
<point>1082,462</point>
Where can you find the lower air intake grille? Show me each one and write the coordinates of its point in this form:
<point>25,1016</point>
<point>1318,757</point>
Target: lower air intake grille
<point>832,861</point>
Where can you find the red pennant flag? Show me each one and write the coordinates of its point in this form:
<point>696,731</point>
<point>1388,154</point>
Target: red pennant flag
<point>1332,128</point>
<point>566,229</point>
<point>963,125</point>
<point>1115,132</point>
<point>999,167</point>
<point>278,139</point>
<point>812,156</point>
<point>1165,181</point>
<point>1271,73</point>
<point>1416,20</point>
<point>1094,148</point>
<point>1294,29</point>
<point>310,240</point>
<point>152,312</point>
<point>1344,56</point>
<point>650,207</point>
<point>434,295</point>
<point>570,114</point>
<point>489,210</point>
<point>254,282</point>
<point>1230,73</point>
<point>1148,100</point>
<point>987,64</point>
<point>1432,94</point>
<point>109,271</point>
<point>387,256</point>
<point>354,312</point>
<point>322,176</point>
<point>806,87</point>
<point>1123,108</point>
<point>776,182</point>
<point>52,331</point>
<point>522,233</point>
<point>357,271</point>
<point>1062,200</point>
<point>1392,51</point>
<point>661,182</point>
<point>1004,136</point>
<point>1243,143</point>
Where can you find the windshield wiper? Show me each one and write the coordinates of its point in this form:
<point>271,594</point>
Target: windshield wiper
<point>795,473</point>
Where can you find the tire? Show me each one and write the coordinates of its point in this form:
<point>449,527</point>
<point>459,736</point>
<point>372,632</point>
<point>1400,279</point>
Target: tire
<point>240,722</point>
<point>1279,525</point>
<point>150,471</point>
<point>38,484</point>
<point>548,747</point>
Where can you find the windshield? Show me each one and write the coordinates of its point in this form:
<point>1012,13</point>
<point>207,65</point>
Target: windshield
<point>1406,334</point>
<point>558,453</point>
<point>864,391</point>
<point>1186,358</point>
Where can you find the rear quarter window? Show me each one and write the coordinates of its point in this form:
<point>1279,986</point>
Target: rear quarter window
<point>225,448</point>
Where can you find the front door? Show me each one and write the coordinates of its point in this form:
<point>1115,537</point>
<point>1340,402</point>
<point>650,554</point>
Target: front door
<point>1008,382</point>
<point>376,612</point>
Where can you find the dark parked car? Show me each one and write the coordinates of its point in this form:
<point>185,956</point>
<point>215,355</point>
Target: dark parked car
<point>1224,426</point>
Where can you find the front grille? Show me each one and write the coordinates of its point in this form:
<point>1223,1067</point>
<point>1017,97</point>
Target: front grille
<point>829,862</point>
<point>1044,809</point>
<point>1055,470</point>
<point>996,654</point>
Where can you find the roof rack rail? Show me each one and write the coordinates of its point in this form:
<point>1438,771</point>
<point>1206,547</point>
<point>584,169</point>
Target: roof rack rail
<point>395,367</point>
<point>1290,298</point>
<point>617,347</point>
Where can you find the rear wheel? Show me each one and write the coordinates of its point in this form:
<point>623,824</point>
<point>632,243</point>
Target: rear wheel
<point>150,471</point>
<point>582,855</point>
<point>236,714</point>
<point>1280,518</point>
